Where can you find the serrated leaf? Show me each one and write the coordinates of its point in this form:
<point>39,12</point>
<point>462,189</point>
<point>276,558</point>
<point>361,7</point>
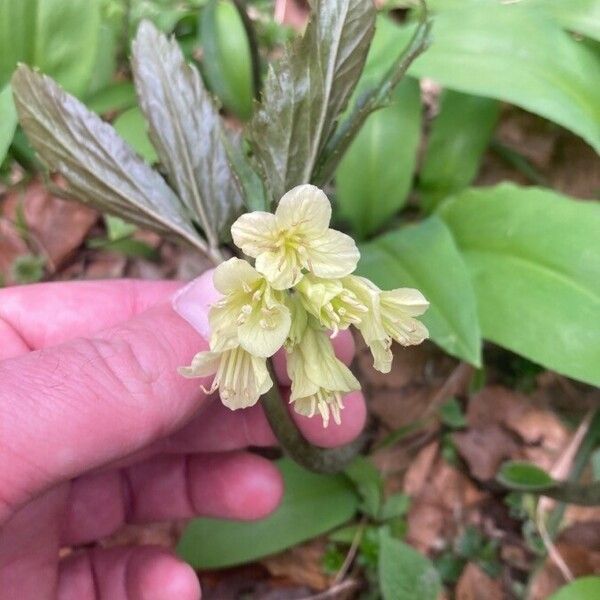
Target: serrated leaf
<point>404,258</point>
<point>534,261</point>
<point>306,91</point>
<point>186,130</point>
<point>100,168</point>
<point>312,505</point>
<point>404,573</point>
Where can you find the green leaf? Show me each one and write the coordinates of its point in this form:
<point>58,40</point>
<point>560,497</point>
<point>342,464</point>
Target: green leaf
<point>60,38</point>
<point>404,573</point>
<point>132,127</point>
<point>307,90</point>
<point>226,58</point>
<point>425,256</point>
<point>395,506</point>
<point>312,505</point>
<point>368,482</point>
<point>534,260</point>
<point>523,476</point>
<point>375,176</point>
<point>186,130</point>
<point>584,588</point>
<point>8,120</point>
<point>514,54</point>
<point>118,96</point>
<point>28,268</point>
<point>100,168</point>
<point>452,414</point>
<point>460,134</point>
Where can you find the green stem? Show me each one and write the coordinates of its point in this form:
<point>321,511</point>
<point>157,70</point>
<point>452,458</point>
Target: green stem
<point>293,443</point>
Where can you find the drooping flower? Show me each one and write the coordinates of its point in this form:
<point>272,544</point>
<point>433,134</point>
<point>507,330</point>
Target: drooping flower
<point>250,313</point>
<point>296,239</point>
<point>319,379</point>
<point>330,302</point>
<point>240,377</point>
<point>390,316</point>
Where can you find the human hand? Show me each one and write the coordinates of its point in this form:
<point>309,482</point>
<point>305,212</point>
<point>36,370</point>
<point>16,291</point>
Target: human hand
<point>97,429</point>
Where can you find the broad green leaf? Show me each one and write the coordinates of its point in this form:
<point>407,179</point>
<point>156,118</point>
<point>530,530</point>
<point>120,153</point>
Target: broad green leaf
<point>375,176</point>
<point>100,168</point>
<point>226,57</point>
<point>459,136</point>
<point>523,476</point>
<point>8,120</point>
<point>312,505</point>
<point>395,506</point>
<point>58,37</point>
<point>307,90</point>
<point>584,588</point>
<point>425,256</point>
<point>369,484</point>
<point>534,259</point>
<point>510,53</point>
<point>404,573</point>
<point>186,130</point>
<point>132,127</point>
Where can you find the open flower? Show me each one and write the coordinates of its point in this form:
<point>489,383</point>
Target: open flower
<point>240,377</point>
<point>295,239</point>
<point>250,314</point>
<point>330,302</point>
<point>319,379</point>
<point>390,316</point>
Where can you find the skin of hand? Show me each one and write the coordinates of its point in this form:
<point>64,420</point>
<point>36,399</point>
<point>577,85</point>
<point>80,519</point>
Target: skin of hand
<point>97,430</point>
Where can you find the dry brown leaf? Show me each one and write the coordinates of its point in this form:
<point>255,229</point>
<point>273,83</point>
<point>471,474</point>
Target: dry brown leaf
<point>475,584</point>
<point>419,471</point>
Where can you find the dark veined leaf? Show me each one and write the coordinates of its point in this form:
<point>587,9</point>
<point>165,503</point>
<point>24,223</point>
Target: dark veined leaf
<point>460,134</point>
<point>226,56</point>
<point>312,505</point>
<point>58,37</point>
<point>404,258</point>
<point>8,120</point>
<point>404,573</point>
<point>534,260</point>
<point>186,130</point>
<point>375,176</point>
<point>100,168</point>
<point>306,91</point>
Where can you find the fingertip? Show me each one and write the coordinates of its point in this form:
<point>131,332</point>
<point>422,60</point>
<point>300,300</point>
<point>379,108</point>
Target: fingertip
<point>193,301</point>
<point>354,416</point>
<point>153,574</point>
<point>242,486</point>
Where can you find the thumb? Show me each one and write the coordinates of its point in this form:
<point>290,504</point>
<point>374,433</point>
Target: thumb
<point>75,406</point>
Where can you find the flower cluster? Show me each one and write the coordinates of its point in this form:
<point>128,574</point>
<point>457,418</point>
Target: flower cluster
<point>299,293</point>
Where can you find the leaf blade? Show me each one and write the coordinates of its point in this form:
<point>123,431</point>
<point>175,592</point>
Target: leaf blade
<point>99,166</point>
<point>185,129</point>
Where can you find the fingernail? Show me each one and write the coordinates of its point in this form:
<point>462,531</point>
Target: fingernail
<point>193,301</point>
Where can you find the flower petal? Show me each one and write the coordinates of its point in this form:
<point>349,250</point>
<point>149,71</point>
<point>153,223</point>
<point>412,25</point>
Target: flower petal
<point>265,330</point>
<point>306,208</point>
<point>302,386</point>
<point>254,232</point>
<point>333,254</point>
<point>203,364</point>
<point>223,327</point>
<point>408,300</point>
<point>281,269</point>
<point>231,275</point>
<point>245,380</point>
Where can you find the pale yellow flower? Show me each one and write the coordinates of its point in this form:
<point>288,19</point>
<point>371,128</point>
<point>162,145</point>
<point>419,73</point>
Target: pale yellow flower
<point>390,316</point>
<point>296,239</point>
<point>330,302</point>
<point>319,379</point>
<point>250,314</point>
<point>240,377</point>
